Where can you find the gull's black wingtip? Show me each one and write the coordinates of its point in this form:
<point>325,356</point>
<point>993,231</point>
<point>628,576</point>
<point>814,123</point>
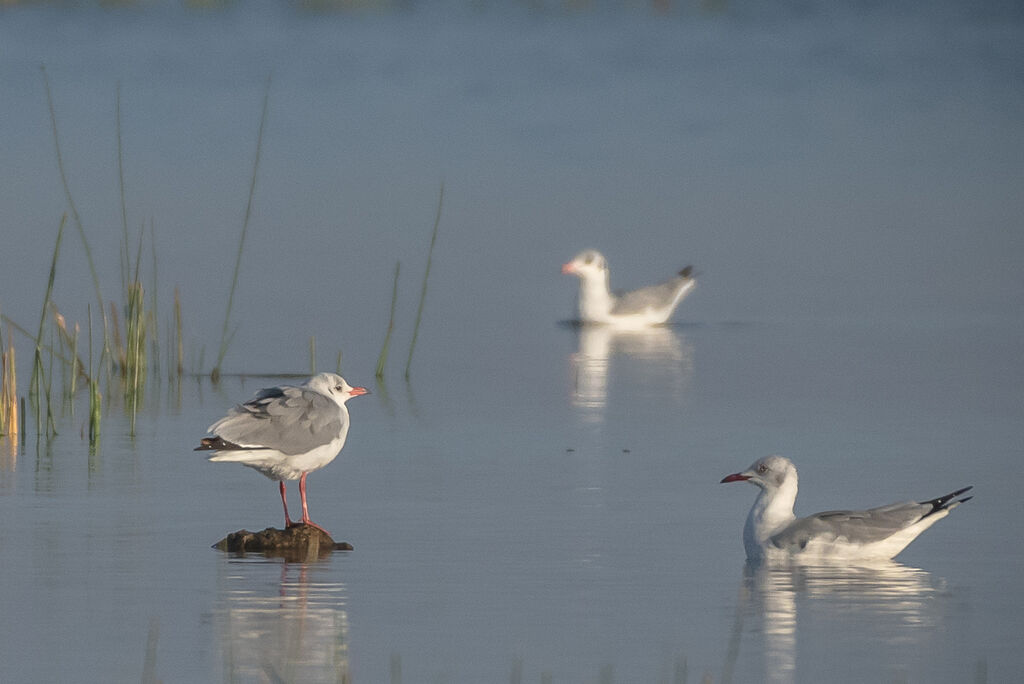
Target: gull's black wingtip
<point>944,502</point>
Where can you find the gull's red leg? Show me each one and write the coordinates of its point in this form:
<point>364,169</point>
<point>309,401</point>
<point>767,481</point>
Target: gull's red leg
<point>284,501</point>
<point>305,509</point>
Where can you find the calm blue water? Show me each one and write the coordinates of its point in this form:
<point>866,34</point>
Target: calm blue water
<point>537,501</point>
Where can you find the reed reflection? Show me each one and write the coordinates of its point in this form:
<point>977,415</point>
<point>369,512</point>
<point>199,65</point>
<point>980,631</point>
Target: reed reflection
<point>895,599</point>
<point>665,353</point>
<point>291,628</point>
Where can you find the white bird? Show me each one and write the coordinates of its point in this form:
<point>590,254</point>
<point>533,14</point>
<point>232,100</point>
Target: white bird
<point>773,532</point>
<point>286,432</point>
<point>647,306</point>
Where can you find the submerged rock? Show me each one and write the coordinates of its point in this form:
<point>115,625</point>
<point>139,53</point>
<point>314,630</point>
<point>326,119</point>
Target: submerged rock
<point>301,542</point>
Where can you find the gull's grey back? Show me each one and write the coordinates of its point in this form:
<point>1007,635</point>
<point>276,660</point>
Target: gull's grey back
<point>292,420</point>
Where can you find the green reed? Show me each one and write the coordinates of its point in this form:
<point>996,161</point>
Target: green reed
<point>120,185</point>
<point>383,358</point>
<point>39,387</point>
<point>225,338</point>
<point>95,400</point>
<point>133,371</point>
<point>71,204</point>
<point>8,388</point>
<point>179,346</point>
<point>426,275</point>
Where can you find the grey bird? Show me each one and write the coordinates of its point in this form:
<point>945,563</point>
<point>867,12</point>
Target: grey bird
<point>286,432</point>
<point>652,305</point>
<point>773,532</point>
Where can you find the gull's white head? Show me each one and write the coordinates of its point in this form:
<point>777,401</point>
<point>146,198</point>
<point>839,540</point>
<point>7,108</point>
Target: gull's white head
<point>587,264</point>
<point>770,473</point>
<point>334,386</point>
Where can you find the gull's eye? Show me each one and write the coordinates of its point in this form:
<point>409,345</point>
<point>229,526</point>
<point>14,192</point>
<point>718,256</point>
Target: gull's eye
<point>589,259</point>
<point>762,469</point>
<point>337,388</point>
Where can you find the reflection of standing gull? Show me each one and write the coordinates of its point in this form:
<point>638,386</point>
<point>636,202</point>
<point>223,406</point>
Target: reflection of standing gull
<point>290,628</point>
<point>773,532</point>
<point>286,432</point>
<point>663,350</point>
<point>896,599</point>
<point>631,310</point>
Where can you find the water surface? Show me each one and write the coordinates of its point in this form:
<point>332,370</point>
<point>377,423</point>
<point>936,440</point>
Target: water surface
<point>538,499</point>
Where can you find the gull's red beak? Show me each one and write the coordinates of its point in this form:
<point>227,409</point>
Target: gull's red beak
<point>568,268</point>
<point>735,477</point>
<point>358,391</point>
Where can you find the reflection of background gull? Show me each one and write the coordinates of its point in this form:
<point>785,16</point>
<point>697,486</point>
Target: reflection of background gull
<point>291,630</point>
<point>667,356</point>
<point>882,591</point>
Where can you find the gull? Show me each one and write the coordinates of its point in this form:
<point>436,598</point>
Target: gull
<point>647,306</point>
<point>773,532</point>
<point>286,432</point>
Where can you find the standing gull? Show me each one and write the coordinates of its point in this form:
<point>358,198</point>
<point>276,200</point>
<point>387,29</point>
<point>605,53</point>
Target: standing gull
<point>647,306</point>
<point>286,432</point>
<point>773,532</point>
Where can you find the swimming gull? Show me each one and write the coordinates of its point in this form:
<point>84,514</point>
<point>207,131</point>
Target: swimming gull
<point>647,306</point>
<point>286,432</point>
<point>773,532</point>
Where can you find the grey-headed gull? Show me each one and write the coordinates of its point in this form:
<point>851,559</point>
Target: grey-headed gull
<point>636,309</point>
<point>286,432</point>
<point>773,532</point>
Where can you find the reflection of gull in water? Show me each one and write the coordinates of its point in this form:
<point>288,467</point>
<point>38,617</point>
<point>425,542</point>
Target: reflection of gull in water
<point>292,628</point>
<point>895,599</point>
<point>665,354</point>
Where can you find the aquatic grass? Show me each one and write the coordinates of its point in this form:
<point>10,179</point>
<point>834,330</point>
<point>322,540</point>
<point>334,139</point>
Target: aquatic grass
<point>382,359</point>
<point>153,314</point>
<point>71,203</point>
<point>134,370</point>
<point>179,346</point>
<point>8,388</point>
<point>69,342</point>
<point>120,185</point>
<point>38,385</point>
<point>95,399</point>
<point>225,338</point>
<point>426,275</point>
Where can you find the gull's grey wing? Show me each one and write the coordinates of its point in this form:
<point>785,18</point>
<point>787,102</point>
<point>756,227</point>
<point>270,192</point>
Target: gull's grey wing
<point>862,527</point>
<point>658,297</point>
<point>858,527</point>
<point>292,420</point>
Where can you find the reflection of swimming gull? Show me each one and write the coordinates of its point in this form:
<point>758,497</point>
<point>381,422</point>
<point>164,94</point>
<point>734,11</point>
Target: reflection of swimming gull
<point>286,432</point>
<point>294,629</point>
<point>636,309</point>
<point>772,531</point>
<point>879,591</point>
<point>671,357</point>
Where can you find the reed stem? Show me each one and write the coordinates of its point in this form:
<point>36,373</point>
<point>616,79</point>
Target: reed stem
<point>224,337</point>
<point>71,205</point>
<point>426,274</point>
<point>382,359</point>
<point>36,384</point>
